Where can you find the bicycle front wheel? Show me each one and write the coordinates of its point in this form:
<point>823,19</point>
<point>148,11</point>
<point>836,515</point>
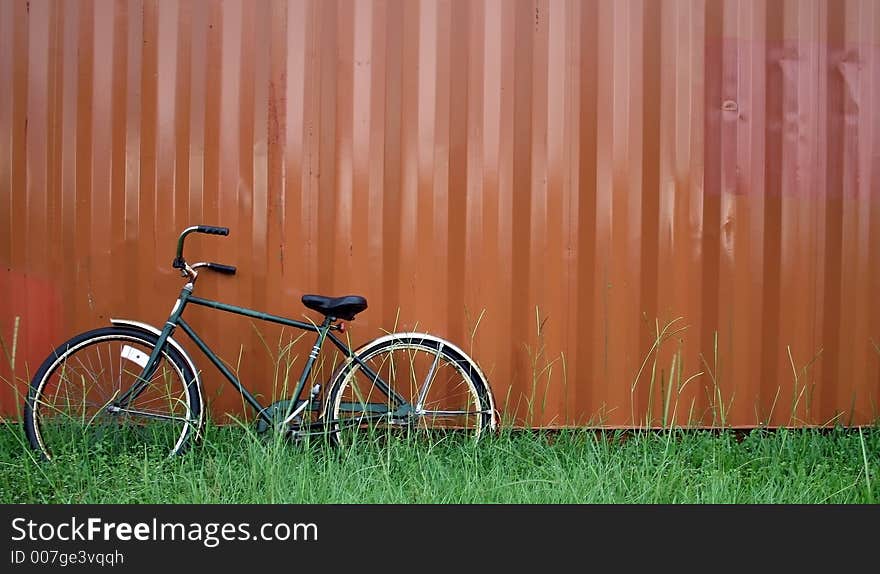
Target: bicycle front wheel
<point>408,382</point>
<point>74,409</point>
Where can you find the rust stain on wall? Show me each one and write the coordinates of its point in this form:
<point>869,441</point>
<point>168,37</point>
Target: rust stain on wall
<point>630,212</point>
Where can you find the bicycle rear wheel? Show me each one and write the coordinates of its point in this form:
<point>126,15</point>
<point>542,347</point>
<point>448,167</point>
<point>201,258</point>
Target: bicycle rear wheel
<point>72,408</point>
<point>405,383</point>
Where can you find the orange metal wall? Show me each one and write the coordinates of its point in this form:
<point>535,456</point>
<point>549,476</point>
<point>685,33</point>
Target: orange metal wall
<point>545,182</point>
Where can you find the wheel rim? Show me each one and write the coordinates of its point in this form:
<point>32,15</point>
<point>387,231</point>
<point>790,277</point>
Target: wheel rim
<point>73,404</point>
<point>451,403</point>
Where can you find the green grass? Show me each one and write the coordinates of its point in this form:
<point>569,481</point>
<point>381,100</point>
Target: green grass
<point>800,466</point>
<point>670,465</point>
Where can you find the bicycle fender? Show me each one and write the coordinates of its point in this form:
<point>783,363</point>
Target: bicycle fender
<point>177,347</point>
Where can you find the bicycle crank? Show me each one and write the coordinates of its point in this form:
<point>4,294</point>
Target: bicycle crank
<point>288,414</point>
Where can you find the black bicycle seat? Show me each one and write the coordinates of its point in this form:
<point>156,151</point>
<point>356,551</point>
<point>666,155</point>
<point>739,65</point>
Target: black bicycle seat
<point>340,307</point>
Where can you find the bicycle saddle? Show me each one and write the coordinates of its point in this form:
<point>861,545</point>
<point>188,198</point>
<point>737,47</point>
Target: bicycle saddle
<point>340,307</point>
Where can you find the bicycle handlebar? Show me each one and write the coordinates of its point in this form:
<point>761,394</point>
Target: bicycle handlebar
<point>212,230</point>
<point>180,263</point>
<point>220,268</point>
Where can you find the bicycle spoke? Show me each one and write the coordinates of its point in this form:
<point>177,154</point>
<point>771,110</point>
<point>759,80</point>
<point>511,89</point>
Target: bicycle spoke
<point>428,379</point>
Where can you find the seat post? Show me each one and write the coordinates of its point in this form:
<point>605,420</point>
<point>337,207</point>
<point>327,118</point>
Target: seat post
<point>313,355</point>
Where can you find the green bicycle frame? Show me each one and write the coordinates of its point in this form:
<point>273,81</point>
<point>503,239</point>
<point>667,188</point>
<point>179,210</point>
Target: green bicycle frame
<point>324,331</point>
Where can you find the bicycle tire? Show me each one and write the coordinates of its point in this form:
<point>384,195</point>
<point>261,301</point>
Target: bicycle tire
<point>66,411</point>
<point>457,386</point>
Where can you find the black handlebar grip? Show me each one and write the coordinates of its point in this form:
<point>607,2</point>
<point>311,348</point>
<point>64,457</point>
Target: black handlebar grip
<point>213,230</point>
<point>220,268</point>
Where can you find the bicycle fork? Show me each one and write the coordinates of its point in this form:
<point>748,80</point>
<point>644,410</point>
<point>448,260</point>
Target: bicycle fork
<point>149,367</point>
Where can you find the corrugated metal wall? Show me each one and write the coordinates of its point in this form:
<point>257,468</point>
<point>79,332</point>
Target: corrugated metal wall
<point>546,183</point>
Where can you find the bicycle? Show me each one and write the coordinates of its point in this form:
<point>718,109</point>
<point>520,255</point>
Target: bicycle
<point>133,383</point>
